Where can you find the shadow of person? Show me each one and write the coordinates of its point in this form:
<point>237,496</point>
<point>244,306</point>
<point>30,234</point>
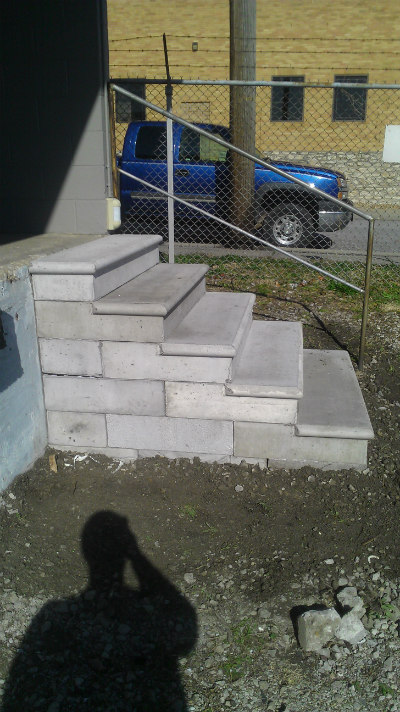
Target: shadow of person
<point>112,647</point>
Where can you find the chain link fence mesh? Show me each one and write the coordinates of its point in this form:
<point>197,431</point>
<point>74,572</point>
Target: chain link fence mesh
<point>340,129</point>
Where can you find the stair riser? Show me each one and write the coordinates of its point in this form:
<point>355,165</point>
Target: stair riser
<point>279,442</point>
<point>143,361</point>
<point>208,401</point>
<point>75,320</point>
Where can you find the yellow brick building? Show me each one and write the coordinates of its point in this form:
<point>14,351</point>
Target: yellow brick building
<point>303,40</point>
<point>311,38</point>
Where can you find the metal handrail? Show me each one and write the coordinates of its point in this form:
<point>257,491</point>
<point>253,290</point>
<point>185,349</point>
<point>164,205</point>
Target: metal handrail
<point>223,222</point>
<point>316,191</point>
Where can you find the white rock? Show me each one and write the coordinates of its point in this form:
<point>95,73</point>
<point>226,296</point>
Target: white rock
<point>315,628</point>
<point>329,562</point>
<point>348,598</point>
<point>189,578</point>
<point>351,629</point>
<point>239,488</point>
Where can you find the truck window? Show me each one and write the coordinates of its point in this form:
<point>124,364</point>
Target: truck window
<point>151,143</point>
<point>195,148</point>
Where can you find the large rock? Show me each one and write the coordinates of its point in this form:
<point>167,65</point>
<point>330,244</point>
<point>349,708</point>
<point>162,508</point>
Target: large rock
<point>316,627</point>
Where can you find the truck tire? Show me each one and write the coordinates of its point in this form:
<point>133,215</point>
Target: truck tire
<point>289,225</point>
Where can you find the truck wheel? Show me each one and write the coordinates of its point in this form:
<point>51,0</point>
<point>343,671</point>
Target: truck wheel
<point>289,225</point>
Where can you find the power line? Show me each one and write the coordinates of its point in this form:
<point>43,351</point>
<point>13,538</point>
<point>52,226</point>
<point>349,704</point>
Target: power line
<point>263,39</point>
<point>263,66</point>
<point>275,51</point>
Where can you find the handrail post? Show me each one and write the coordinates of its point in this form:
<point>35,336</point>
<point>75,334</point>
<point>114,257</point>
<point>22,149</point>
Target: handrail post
<point>170,160</point>
<point>170,180</point>
<point>368,267</point>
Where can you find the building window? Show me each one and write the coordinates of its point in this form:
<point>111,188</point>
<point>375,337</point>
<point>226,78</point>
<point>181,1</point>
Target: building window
<point>350,104</point>
<point>127,109</point>
<point>287,102</point>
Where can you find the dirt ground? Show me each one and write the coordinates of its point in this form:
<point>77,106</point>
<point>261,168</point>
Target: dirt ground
<point>186,513</point>
<point>197,521</point>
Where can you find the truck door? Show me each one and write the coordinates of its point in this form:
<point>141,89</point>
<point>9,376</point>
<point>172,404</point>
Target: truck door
<point>150,164</point>
<point>199,171</point>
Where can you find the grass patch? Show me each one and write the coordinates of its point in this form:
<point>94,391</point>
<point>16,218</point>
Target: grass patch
<point>269,277</point>
<point>189,511</point>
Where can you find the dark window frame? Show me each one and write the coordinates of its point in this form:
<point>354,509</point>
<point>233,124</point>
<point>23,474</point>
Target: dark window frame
<point>126,109</point>
<point>287,103</point>
<point>344,98</point>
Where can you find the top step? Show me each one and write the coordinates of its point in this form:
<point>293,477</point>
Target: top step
<point>91,270</point>
<point>271,363</point>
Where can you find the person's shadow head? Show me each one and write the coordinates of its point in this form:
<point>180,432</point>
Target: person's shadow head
<point>106,542</point>
<point>111,647</point>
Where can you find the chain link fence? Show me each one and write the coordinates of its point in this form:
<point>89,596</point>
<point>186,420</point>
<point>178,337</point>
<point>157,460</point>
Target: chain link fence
<point>342,139</point>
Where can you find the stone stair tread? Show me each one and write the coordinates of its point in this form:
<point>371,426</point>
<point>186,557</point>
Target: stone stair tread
<point>214,326</point>
<point>96,257</point>
<point>271,363</point>
<point>332,405</point>
<point>155,292</point>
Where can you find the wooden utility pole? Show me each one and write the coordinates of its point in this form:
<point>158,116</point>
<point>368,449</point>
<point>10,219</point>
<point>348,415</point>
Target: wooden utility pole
<point>242,105</point>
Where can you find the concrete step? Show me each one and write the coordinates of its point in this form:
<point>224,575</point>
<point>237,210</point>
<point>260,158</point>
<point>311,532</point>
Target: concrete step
<point>332,406</point>
<point>168,291</point>
<point>215,326</point>
<point>271,362</point>
<point>89,271</point>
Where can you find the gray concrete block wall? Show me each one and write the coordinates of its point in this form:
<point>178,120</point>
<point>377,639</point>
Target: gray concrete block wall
<point>23,434</point>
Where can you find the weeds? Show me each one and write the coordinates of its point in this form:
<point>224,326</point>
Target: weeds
<point>189,511</point>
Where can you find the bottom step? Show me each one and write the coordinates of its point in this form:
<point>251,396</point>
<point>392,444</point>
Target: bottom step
<point>280,446</point>
<point>333,426</point>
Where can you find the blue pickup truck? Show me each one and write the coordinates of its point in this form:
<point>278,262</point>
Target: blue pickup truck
<point>286,213</point>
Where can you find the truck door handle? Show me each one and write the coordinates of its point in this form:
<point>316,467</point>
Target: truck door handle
<point>181,172</point>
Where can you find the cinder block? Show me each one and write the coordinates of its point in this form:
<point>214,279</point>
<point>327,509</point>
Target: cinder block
<point>77,429</point>
<point>208,401</point>
<point>144,361</point>
<point>72,287</point>
<point>71,357</point>
<point>99,395</point>
<point>279,442</point>
<point>170,434</point>
<point>75,320</point>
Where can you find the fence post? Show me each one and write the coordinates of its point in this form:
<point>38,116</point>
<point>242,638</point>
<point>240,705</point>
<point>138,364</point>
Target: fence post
<point>115,174</point>
<point>368,267</point>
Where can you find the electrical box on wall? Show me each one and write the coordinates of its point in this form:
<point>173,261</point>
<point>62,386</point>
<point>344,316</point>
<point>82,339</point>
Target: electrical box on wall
<point>391,147</point>
<point>113,213</point>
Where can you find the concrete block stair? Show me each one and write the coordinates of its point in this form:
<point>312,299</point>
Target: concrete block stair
<point>138,360</point>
